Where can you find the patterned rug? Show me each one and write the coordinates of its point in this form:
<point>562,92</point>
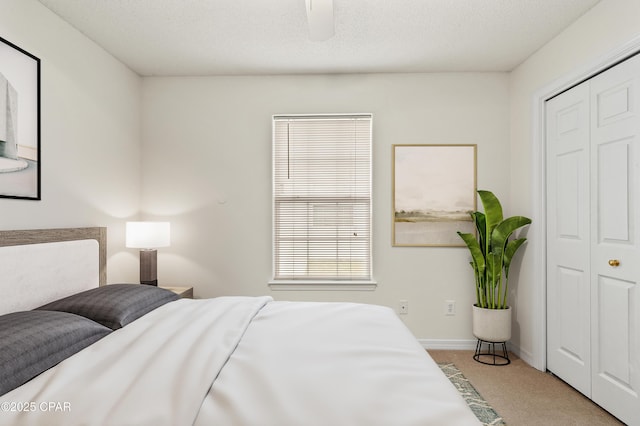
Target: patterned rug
<point>481,408</point>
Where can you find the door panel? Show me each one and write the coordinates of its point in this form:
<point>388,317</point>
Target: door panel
<point>568,238</point>
<point>614,318</point>
<point>613,191</point>
<point>570,297</point>
<point>568,201</point>
<point>614,104</point>
<point>615,252</point>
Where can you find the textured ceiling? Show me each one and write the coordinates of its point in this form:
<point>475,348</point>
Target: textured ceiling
<point>217,37</point>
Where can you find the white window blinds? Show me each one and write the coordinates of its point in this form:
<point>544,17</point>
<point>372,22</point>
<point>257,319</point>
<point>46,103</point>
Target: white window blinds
<point>322,197</point>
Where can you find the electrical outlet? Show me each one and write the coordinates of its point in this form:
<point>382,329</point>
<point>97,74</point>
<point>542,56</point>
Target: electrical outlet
<point>403,307</point>
<point>450,307</point>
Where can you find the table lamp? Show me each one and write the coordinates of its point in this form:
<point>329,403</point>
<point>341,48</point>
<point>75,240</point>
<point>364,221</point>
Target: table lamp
<point>148,236</point>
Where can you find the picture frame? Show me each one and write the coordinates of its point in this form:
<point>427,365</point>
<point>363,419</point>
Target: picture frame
<point>20,162</point>
<point>434,190</point>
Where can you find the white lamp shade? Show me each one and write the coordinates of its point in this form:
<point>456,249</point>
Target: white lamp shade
<point>148,235</point>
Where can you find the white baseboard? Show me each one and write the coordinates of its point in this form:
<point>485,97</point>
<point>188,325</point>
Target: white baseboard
<point>526,356</point>
<point>28,152</point>
<point>449,344</point>
<point>470,345</point>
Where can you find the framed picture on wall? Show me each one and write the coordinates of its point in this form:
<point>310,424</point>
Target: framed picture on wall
<point>434,190</point>
<point>19,123</point>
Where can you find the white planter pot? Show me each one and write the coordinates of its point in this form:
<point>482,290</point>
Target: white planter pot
<point>492,325</point>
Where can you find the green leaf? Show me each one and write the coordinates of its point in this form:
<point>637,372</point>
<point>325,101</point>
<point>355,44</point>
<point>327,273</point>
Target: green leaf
<point>494,278</point>
<point>480,221</point>
<point>476,253</point>
<point>478,265</point>
<point>510,250</point>
<point>492,209</point>
<point>503,231</point>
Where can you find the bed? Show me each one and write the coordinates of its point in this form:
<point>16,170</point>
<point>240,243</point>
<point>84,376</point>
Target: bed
<point>86,353</point>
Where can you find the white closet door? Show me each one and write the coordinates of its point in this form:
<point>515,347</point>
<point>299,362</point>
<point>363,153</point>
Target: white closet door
<point>568,238</point>
<point>593,239</point>
<point>615,249</point>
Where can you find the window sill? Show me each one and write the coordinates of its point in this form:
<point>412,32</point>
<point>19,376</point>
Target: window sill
<point>323,285</point>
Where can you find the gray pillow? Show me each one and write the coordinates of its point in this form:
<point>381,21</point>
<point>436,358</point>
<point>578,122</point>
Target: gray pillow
<point>34,341</point>
<point>114,305</point>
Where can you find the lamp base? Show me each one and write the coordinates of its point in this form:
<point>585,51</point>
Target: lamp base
<point>149,267</point>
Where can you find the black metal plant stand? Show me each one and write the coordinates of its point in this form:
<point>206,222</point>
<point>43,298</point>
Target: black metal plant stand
<point>489,356</point>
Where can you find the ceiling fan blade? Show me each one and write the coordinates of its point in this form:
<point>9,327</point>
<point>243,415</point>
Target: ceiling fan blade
<point>320,18</point>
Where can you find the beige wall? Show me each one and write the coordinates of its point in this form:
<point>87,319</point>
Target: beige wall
<point>604,29</point>
<point>207,169</point>
<point>90,123</point>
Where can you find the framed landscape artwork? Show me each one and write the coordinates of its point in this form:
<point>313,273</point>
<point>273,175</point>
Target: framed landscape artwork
<point>434,190</point>
<point>19,123</point>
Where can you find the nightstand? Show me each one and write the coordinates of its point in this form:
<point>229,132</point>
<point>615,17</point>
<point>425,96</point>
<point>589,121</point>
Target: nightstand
<point>183,292</point>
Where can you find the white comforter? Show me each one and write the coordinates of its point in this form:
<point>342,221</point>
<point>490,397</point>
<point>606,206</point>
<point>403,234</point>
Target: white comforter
<point>249,362</point>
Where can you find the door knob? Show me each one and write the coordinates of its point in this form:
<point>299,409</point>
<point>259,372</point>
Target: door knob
<point>614,262</point>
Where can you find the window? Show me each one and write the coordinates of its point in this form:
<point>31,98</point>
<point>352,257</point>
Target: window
<point>322,198</point>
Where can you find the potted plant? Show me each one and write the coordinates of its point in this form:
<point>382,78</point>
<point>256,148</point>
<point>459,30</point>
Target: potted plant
<point>491,256</point>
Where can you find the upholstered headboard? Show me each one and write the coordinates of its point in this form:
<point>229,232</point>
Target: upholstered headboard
<point>41,265</point>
